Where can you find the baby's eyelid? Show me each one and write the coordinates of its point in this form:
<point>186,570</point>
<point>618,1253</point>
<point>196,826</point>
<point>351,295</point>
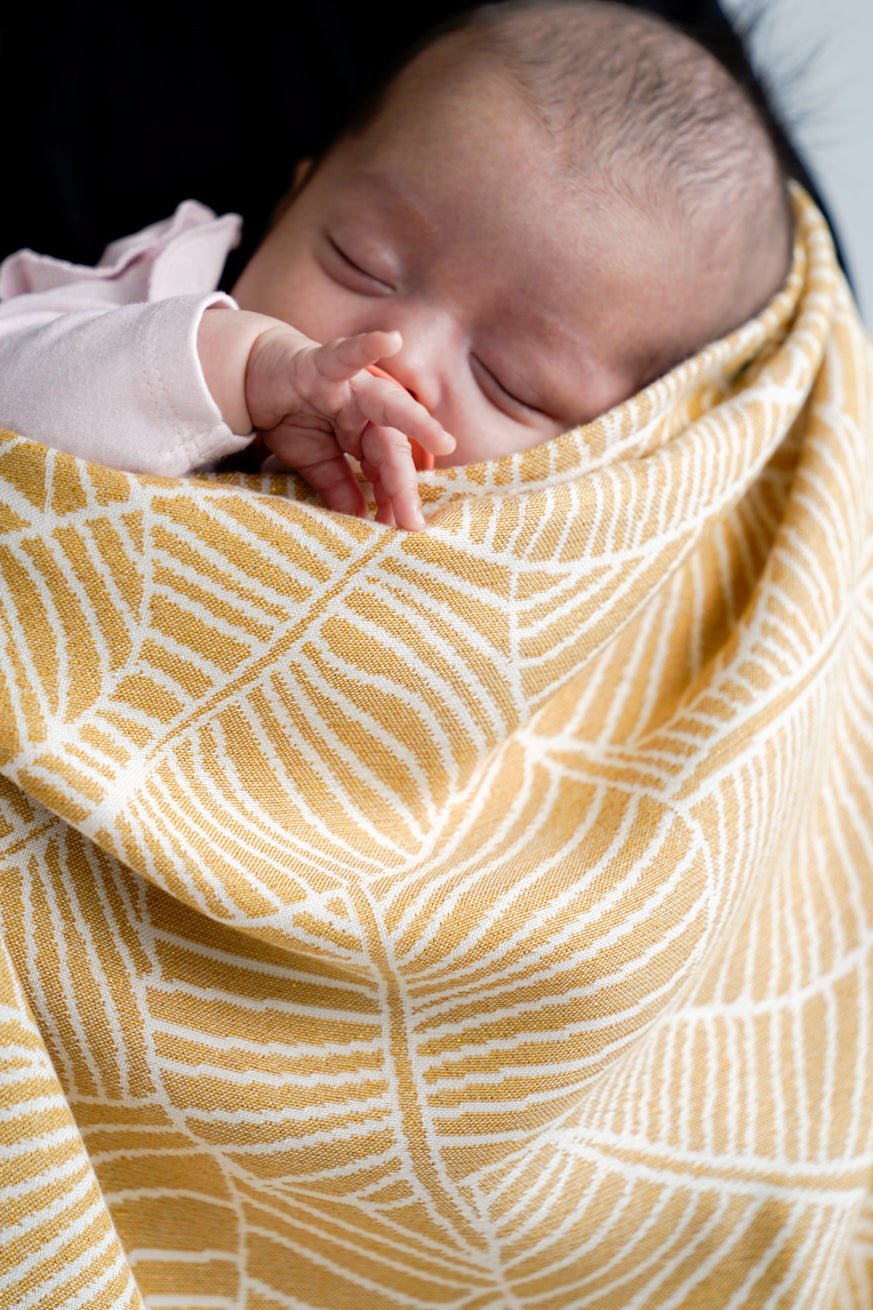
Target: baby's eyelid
<point>353,264</point>
<point>516,400</point>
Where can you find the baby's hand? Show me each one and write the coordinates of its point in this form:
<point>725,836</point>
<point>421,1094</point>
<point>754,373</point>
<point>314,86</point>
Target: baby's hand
<point>314,404</point>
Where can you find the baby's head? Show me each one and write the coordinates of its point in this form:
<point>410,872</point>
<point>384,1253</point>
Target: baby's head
<point>554,204</point>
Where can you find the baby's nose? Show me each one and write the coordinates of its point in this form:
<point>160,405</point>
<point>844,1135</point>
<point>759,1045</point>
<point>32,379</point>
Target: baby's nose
<point>382,373</point>
<point>406,376</point>
<point>419,363</point>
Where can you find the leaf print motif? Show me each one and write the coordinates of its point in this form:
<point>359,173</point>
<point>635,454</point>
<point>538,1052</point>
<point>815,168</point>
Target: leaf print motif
<point>465,920</point>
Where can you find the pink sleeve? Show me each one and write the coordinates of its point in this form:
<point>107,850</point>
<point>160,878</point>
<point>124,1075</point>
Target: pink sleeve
<point>102,362</point>
<point>121,387</point>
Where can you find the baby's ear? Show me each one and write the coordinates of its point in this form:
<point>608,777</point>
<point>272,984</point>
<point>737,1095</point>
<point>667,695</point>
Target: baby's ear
<point>301,173</point>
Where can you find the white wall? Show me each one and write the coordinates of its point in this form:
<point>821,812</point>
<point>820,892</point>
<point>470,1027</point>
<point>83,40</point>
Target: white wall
<point>819,58</point>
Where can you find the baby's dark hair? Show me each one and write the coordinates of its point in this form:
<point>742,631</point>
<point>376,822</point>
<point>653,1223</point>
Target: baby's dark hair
<point>636,88</point>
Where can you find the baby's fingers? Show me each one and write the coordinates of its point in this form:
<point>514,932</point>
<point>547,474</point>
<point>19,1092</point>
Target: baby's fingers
<point>314,454</point>
<point>391,406</point>
<point>386,461</point>
<point>340,360</point>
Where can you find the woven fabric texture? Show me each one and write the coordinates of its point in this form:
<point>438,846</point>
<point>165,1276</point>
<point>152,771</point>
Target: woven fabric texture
<point>473,920</point>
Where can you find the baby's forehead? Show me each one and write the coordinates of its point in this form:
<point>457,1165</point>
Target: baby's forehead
<point>479,100</point>
<point>456,73</point>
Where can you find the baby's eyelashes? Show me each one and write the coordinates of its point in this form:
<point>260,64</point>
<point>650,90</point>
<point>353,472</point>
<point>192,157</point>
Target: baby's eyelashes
<point>356,271</point>
<point>501,396</point>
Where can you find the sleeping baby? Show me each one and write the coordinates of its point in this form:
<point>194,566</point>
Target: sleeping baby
<point>544,210</point>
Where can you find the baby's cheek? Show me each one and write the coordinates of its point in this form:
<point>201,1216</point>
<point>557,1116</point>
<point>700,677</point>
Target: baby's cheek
<point>483,434</point>
<point>306,299</point>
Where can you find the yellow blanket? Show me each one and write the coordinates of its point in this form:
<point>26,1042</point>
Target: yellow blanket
<point>480,919</point>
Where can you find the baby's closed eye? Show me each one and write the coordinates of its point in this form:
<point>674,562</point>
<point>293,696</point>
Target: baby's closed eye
<point>360,272</point>
<point>502,395</point>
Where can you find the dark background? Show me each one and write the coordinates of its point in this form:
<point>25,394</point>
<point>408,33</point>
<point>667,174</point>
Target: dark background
<point>113,114</point>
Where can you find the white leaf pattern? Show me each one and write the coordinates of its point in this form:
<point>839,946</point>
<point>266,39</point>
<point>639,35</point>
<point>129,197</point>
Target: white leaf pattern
<point>473,920</point>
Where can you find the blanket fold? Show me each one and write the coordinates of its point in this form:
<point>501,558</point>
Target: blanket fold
<point>474,919</point>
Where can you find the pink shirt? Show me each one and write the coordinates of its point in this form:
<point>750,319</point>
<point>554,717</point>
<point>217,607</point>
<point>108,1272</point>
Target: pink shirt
<point>102,362</point>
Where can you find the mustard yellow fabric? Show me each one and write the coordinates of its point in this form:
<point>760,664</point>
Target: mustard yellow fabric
<point>472,920</point>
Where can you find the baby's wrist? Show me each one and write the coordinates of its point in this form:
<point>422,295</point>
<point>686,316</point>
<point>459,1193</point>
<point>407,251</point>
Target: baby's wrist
<point>225,339</point>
